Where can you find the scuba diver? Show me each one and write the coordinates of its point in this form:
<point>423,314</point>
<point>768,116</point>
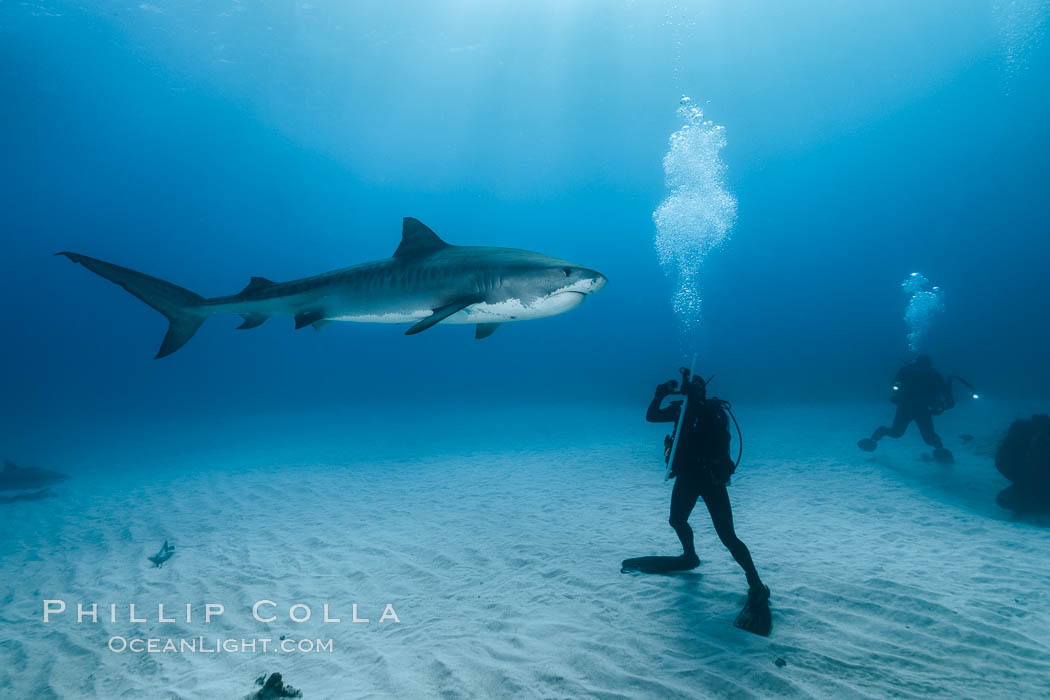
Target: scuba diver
<point>702,467</point>
<point>920,393</point>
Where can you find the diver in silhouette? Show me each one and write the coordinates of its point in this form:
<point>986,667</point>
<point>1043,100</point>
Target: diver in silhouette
<point>920,393</point>
<point>702,468</point>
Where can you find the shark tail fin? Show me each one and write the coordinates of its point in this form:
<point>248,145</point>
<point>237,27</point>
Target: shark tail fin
<point>181,307</point>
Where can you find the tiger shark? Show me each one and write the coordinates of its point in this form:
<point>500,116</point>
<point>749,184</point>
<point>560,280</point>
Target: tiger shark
<point>426,282</point>
<point>16,478</point>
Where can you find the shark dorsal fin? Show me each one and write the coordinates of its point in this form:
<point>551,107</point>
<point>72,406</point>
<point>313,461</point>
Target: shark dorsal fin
<point>417,239</point>
<point>257,283</point>
<point>9,466</point>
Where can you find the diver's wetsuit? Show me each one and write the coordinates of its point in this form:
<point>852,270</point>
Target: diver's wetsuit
<point>921,392</point>
<point>701,469</point>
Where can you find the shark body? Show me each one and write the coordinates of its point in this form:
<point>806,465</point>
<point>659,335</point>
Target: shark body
<point>426,282</point>
<point>16,478</point>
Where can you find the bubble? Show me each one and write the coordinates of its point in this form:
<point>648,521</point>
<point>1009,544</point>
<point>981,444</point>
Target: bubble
<point>924,305</point>
<point>698,213</point>
<point>1021,26</point>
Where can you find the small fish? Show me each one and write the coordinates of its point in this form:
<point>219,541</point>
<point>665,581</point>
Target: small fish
<point>166,552</point>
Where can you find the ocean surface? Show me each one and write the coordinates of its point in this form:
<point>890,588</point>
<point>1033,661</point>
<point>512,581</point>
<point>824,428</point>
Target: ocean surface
<point>794,198</point>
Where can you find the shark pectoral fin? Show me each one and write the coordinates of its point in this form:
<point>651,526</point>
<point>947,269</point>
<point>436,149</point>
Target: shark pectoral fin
<point>308,318</point>
<point>484,330</point>
<point>440,314</point>
<point>252,321</point>
<point>318,325</point>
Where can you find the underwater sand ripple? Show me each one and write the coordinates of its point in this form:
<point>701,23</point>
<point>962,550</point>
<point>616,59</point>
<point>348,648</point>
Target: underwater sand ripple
<point>503,565</point>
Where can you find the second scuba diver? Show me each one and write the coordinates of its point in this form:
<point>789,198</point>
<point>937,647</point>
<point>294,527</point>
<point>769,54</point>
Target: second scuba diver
<point>920,393</point>
<point>702,468</point>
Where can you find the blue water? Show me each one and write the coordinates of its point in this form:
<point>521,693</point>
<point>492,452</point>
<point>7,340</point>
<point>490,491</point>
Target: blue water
<point>848,184</point>
<point>207,143</point>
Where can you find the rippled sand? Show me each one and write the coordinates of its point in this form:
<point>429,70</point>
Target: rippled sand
<point>498,543</point>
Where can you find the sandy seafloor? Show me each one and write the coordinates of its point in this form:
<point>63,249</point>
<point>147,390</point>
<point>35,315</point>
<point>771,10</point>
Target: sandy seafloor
<point>497,536</point>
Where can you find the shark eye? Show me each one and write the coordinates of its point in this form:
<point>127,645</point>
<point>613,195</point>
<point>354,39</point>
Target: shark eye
<point>567,271</point>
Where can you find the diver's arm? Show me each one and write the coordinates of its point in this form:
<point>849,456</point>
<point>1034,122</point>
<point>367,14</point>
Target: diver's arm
<point>668,414</point>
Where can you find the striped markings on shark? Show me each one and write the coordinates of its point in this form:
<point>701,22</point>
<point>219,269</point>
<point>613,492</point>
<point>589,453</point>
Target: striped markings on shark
<point>426,282</point>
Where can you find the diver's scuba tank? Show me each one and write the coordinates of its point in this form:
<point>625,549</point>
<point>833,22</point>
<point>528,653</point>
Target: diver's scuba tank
<point>670,450</point>
<point>705,416</point>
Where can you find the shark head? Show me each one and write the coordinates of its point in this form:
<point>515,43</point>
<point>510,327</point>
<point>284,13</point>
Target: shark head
<point>546,286</point>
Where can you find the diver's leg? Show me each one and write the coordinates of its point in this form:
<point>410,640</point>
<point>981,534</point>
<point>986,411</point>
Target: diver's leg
<point>940,453</point>
<point>717,500</point>
<point>900,424</point>
<point>925,423</point>
<point>683,498</point>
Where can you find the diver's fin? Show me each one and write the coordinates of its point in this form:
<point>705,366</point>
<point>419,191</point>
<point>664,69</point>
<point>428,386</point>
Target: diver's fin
<point>659,565</point>
<point>440,314</point>
<point>756,617</point>
<point>252,321</point>
<point>484,330</point>
<point>417,239</point>
<point>181,307</point>
<point>9,466</point>
<point>318,325</point>
<point>308,318</point>
<point>255,285</point>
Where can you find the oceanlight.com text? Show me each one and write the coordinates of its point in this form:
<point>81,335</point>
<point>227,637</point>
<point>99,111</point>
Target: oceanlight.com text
<point>218,645</point>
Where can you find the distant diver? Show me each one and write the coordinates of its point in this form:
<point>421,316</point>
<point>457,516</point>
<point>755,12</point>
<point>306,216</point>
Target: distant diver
<point>425,282</point>
<point>702,467</point>
<point>920,393</point>
<point>166,552</point>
